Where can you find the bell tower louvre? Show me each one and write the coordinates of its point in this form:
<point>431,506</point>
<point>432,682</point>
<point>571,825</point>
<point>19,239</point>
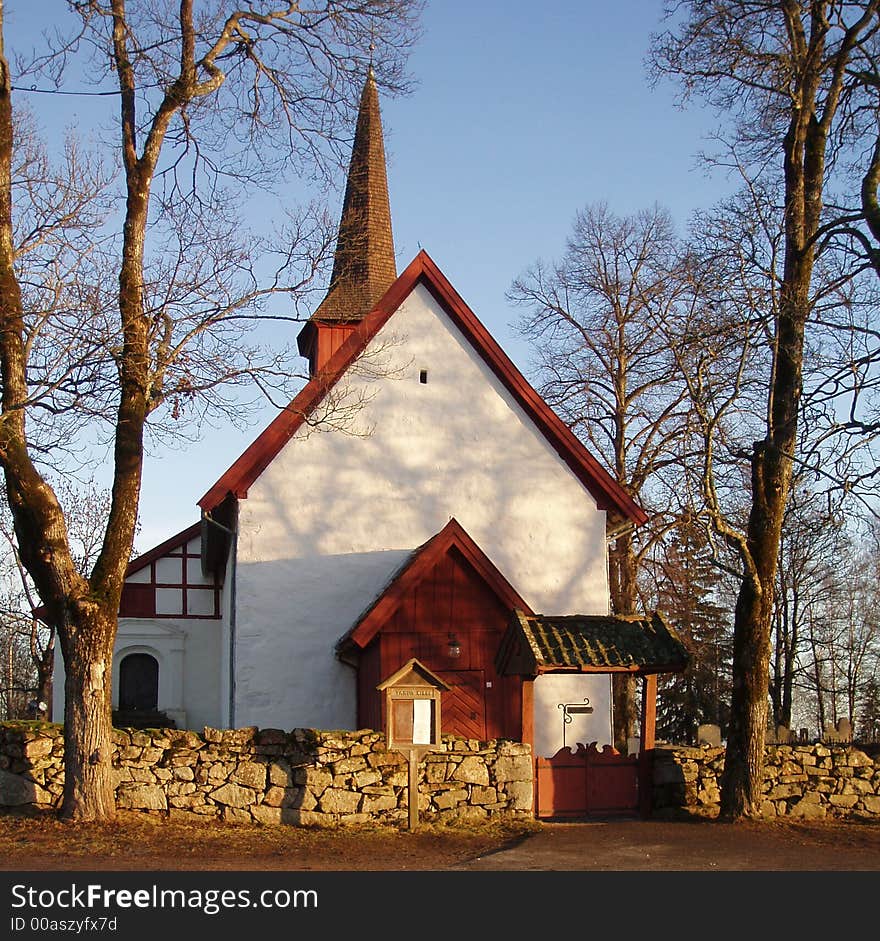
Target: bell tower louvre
<point>363,266</point>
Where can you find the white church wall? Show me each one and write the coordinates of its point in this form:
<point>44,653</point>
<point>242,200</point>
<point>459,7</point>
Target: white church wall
<point>555,689</point>
<point>188,652</point>
<point>335,513</point>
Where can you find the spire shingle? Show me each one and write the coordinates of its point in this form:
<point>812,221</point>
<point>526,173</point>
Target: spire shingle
<point>364,266</point>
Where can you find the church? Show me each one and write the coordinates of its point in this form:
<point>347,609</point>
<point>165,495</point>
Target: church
<point>417,499</point>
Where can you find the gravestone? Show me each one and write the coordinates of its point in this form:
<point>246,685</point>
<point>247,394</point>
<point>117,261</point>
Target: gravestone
<point>844,730</point>
<point>709,735</point>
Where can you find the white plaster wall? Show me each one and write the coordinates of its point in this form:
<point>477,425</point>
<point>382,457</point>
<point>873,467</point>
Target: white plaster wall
<point>551,689</point>
<point>189,655</point>
<point>330,519</point>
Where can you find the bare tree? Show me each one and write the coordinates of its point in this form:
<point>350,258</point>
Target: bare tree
<point>813,542</point>
<point>607,370</point>
<point>210,98</point>
<point>779,71</point>
<point>85,506</point>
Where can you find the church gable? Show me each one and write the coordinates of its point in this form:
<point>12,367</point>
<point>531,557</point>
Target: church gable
<point>608,495</point>
<point>167,582</point>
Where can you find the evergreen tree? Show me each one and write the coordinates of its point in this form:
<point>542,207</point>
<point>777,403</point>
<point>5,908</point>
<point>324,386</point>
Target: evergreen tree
<point>689,598</point>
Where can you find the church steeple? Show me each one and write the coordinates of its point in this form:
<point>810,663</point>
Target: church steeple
<point>363,266</point>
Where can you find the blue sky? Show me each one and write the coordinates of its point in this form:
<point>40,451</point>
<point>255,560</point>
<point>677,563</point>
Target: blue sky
<point>522,114</point>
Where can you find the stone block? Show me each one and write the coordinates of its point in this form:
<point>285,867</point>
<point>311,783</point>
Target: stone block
<point>448,799</point>
<point>38,748</point>
<point>250,774</point>
<point>237,815</point>
<point>436,771</point>
<point>383,759</point>
<point>365,778</point>
<point>843,800</point>
<point>16,791</point>
<point>141,797</point>
<point>313,778</point>
<point>513,768</point>
<point>274,797</point>
<point>348,765</point>
<point>299,798</point>
<point>472,771</point>
<point>808,808</point>
<point>483,795</point>
<point>373,805</point>
<point>784,791</point>
<point>310,818</point>
<point>268,815</point>
<point>338,801</point>
<point>280,773</point>
<point>233,795</point>
<point>519,795</point>
<point>183,815</point>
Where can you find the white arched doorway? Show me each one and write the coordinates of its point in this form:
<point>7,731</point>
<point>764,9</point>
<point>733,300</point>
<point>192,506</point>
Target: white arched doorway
<point>138,683</point>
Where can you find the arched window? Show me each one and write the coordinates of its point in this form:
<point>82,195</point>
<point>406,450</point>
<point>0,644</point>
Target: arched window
<point>139,683</point>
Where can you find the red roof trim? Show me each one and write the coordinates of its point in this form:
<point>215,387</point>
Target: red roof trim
<point>175,542</point>
<point>608,493</point>
<point>420,563</point>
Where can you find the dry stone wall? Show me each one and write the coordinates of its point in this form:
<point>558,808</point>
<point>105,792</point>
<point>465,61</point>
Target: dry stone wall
<point>268,776</point>
<point>807,781</point>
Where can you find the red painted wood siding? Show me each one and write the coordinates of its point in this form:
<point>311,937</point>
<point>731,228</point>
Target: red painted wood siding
<point>451,599</point>
<point>139,598</point>
<point>328,339</point>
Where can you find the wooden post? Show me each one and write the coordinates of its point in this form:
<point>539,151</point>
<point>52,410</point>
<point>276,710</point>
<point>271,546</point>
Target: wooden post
<point>413,789</point>
<point>646,743</point>
<point>527,728</point>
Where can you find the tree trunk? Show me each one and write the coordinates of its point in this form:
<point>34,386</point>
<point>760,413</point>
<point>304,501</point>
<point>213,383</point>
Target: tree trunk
<point>623,568</point>
<point>743,773</point>
<point>88,727</point>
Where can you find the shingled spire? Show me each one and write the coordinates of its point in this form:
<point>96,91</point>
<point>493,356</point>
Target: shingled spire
<point>363,266</point>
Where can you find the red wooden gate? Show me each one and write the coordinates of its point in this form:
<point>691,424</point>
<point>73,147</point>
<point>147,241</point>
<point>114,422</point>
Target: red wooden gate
<point>587,782</point>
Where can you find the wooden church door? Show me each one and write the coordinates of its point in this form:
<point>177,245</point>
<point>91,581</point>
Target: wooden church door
<point>464,705</point>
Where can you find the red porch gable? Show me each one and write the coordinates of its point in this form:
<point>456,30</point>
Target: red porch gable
<point>447,590</point>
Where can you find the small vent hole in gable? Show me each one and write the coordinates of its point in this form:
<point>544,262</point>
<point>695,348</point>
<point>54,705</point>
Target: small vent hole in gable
<point>423,377</point>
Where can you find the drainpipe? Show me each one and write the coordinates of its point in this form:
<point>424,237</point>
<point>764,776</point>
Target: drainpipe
<point>233,550</point>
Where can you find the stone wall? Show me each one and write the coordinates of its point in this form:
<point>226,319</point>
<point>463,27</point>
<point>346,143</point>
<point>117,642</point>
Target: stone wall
<point>811,781</point>
<point>305,777</point>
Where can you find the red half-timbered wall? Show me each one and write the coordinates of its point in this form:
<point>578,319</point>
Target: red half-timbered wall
<point>451,599</point>
<point>168,582</point>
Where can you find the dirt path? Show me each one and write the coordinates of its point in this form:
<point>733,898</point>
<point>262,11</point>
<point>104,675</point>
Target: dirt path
<point>621,845</point>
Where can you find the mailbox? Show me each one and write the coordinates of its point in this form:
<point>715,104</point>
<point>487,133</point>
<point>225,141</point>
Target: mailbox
<point>412,719</point>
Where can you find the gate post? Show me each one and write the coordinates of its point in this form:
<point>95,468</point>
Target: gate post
<point>646,743</point>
